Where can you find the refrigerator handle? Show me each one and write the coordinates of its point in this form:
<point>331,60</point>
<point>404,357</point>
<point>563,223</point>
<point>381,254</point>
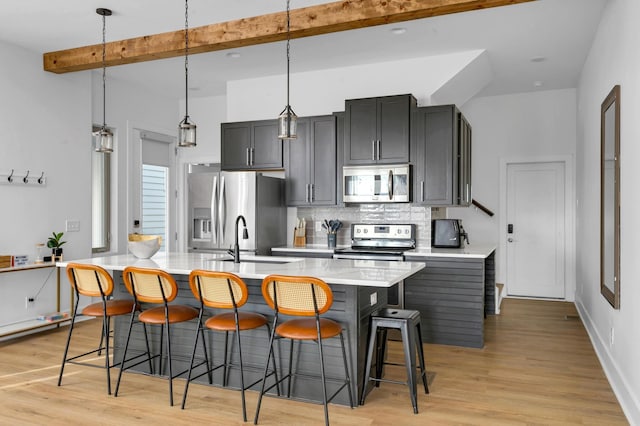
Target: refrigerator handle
<point>214,212</point>
<point>222,205</point>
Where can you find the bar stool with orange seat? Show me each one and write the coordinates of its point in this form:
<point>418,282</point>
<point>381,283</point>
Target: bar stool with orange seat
<point>224,290</point>
<point>156,287</point>
<point>305,297</point>
<point>95,281</point>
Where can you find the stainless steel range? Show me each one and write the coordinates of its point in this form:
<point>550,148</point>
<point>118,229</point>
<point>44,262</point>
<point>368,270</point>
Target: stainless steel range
<point>381,242</point>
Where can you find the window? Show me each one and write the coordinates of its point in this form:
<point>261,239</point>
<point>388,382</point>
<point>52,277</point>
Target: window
<point>154,201</point>
<point>100,201</point>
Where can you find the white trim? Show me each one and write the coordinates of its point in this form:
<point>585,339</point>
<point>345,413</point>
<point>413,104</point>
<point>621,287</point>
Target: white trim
<point>570,214</point>
<point>619,384</point>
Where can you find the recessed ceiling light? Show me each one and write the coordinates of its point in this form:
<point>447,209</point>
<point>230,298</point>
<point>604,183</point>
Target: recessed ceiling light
<point>537,83</point>
<point>233,55</point>
<point>398,31</point>
<point>538,59</point>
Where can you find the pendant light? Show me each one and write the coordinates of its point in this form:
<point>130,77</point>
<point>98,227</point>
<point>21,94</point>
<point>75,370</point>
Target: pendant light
<point>104,137</point>
<point>288,120</point>
<point>186,129</point>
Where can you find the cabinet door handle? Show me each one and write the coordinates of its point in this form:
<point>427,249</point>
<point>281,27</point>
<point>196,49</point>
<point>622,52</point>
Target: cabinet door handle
<point>378,149</point>
<point>373,150</point>
<point>390,185</point>
<point>306,193</point>
<point>252,156</point>
<point>311,192</point>
<point>248,157</point>
<point>422,190</point>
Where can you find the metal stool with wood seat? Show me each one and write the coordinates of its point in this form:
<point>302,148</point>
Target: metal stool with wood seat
<point>94,281</point>
<point>156,287</point>
<point>223,290</point>
<point>408,322</point>
<point>305,297</point>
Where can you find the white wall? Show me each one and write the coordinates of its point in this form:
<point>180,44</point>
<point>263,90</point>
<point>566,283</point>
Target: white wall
<point>46,123</point>
<point>613,59</point>
<point>324,92</point>
<point>532,126</point>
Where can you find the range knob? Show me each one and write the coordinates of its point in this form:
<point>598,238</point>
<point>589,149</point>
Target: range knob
<point>366,230</point>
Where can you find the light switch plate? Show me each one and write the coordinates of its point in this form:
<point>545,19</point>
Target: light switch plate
<point>374,298</point>
<point>72,225</point>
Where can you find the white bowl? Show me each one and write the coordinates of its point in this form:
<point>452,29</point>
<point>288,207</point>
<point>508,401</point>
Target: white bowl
<point>144,249</point>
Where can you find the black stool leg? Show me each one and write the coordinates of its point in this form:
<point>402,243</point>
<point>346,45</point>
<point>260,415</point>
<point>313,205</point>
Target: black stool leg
<point>408,342</point>
<point>66,349</point>
<point>346,370</point>
<point>382,354</point>
<point>373,331</point>
<point>423,368</point>
<point>266,369</point>
<point>105,335</point>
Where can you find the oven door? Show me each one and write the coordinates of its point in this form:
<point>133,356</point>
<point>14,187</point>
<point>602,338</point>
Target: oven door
<point>380,184</point>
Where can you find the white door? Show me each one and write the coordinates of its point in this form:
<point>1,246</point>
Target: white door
<point>536,230</point>
<point>154,209</point>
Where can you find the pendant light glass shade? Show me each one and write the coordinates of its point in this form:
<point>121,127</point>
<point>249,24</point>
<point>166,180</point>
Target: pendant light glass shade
<point>186,128</point>
<point>288,120</point>
<point>104,140</point>
<point>186,133</point>
<point>288,124</point>
<point>104,137</point>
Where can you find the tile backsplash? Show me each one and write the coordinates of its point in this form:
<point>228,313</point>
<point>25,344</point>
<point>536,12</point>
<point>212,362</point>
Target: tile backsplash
<point>367,213</point>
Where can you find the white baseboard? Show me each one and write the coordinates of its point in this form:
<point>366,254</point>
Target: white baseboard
<point>628,401</point>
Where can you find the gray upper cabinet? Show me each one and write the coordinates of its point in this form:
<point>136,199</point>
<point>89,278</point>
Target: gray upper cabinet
<point>310,163</point>
<point>441,147</point>
<point>377,130</point>
<point>251,145</point>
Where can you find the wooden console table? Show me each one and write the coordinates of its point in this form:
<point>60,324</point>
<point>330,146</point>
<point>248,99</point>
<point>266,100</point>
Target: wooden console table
<point>27,325</point>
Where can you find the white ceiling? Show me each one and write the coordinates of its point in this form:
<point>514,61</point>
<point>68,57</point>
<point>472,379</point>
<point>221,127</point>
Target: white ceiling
<point>560,31</point>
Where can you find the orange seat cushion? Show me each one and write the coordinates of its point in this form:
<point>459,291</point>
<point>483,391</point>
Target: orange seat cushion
<point>227,321</point>
<point>305,329</point>
<point>177,313</point>
<point>114,308</point>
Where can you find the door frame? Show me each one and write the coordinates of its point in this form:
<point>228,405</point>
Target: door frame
<point>134,164</point>
<point>569,220</point>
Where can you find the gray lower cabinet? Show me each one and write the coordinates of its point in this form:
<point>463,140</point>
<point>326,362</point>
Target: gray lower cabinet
<point>377,130</point>
<point>441,156</point>
<point>310,163</point>
<point>453,295</point>
<point>251,145</point>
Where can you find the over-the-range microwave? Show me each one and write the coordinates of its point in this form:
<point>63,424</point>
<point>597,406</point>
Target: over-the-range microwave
<point>387,183</point>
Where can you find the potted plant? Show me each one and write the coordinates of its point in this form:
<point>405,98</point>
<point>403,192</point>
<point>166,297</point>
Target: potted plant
<point>55,244</point>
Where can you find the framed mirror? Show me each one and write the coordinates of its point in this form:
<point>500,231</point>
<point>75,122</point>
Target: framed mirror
<point>610,197</point>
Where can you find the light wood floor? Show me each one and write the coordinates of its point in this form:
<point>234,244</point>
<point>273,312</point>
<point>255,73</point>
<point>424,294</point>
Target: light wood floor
<point>537,367</point>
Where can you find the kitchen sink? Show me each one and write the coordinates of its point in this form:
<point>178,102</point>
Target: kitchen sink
<point>277,260</point>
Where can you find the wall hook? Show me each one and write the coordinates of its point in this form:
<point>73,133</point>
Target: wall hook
<point>41,178</point>
<point>10,178</point>
<point>25,179</point>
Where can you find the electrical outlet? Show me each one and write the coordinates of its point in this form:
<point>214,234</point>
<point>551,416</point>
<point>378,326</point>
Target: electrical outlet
<point>72,225</point>
<point>29,302</point>
<point>612,334</point>
<point>318,226</point>
<point>374,298</point>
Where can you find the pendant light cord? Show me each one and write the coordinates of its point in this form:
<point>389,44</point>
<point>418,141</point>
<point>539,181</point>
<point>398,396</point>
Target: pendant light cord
<point>186,58</point>
<point>288,56</point>
<point>104,71</point>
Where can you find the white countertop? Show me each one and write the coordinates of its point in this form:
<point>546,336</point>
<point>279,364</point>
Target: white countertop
<point>309,248</point>
<point>470,251</point>
<point>371,273</point>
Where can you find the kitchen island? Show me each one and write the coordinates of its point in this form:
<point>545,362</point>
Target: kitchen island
<point>359,288</point>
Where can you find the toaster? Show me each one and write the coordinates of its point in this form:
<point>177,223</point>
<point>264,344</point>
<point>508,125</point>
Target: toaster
<point>447,233</point>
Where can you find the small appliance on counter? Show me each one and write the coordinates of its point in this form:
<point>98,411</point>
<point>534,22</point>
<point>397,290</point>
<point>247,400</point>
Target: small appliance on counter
<point>448,233</point>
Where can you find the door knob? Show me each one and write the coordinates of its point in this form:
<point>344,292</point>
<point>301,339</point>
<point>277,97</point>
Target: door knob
<point>510,240</point>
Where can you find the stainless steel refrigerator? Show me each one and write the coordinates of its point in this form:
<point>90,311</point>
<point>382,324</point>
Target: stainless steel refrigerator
<point>216,198</point>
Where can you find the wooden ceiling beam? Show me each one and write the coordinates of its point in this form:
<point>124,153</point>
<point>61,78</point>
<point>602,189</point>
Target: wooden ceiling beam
<point>305,22</point>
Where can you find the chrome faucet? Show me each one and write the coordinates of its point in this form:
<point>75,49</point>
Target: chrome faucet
<point>245,235</point>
